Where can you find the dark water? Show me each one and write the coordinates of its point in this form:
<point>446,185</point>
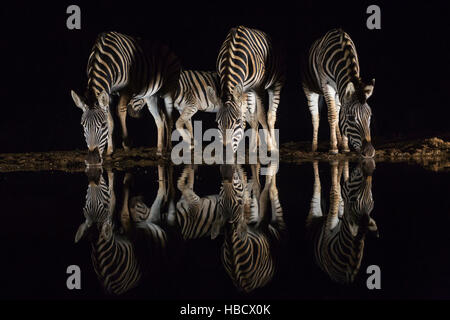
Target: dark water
<point>41,213</point>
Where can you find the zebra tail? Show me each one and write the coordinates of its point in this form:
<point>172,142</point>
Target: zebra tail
<point>321,103</point>
<point>134,113</point>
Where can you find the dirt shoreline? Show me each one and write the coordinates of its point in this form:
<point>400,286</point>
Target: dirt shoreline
<point>432,153</point>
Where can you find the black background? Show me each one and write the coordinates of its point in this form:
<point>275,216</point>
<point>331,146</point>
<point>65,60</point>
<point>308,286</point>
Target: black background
<point>43,61</point>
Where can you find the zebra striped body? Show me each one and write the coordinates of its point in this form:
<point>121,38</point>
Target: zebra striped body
<point>333,71</point>
<point>250,232</point>
<point>196,216</point>
<point>339,237</point>
<point>247,65</point>
<point>133,69</point>
<point>189,96</point>
<point>113,254</point>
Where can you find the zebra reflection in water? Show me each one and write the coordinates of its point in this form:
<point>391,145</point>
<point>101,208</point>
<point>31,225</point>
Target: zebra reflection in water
<point>122,243</point>
<point>253,226</point>
<point>338,236</point>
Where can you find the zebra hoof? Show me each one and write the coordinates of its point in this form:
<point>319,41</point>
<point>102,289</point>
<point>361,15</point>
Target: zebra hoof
<point>333,151</point>
<point>346,150</point>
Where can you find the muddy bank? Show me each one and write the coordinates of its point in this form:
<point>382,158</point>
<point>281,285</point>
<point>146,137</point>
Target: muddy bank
<point>432,153</point>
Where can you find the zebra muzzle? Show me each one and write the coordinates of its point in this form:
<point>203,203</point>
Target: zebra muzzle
<point>367,149</point>
<point>93,158</point>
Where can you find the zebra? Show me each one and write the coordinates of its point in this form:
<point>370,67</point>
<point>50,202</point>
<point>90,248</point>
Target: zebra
<point>333,72</point>
<point>250,232</point>
<point>122,255</point>
<point>133,69</point>
<point>189,96</point>
<point>339,236</point>
<point>196,215</point>
<point>247,66</point>
<point>193,216</point>
<point>113,254</point>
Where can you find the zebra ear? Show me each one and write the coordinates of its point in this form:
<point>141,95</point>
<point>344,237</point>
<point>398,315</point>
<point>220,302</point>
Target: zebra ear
<point>106,230</point>
<point>81,231</point>
<point>78,101</point>
<point>368,89</point>
<point>211,94</point>
<point>350,90</point>
<point>373,229</point>
<point>103,100</point>
<point>215,229</point>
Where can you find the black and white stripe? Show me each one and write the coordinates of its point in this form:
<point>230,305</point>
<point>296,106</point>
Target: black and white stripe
<point>248,65</point>
<point>339,236</point>
<point>252,223</point>
<point>133,69</point>
<point>333,71</point>
<point>113,254</point>
<point>196,216</point>
<point>190,95</point>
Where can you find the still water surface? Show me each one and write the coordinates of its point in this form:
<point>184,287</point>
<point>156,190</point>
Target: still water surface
<point>308,232</point>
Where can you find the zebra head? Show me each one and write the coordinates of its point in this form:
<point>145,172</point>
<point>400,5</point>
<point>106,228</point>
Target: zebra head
<point>354,117</point>
<point>358,200</point>
<point>230,117</point>
<point>231,203</point>
<point>95,125</point>
<point>97,209</point>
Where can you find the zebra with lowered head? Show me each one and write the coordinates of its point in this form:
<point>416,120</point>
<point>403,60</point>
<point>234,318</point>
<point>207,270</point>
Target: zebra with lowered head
<point>113,253</point>
<point>338,236</point>
<point>248,64</point>
<point>133,69</point>
<point>332,71</point>
<point>253,227</point>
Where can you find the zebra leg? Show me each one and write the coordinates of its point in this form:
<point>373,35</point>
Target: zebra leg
<point>335,197</point>
<point>252,119</point>
<point>185,120</point>
<point>315,210</point>
<point>329,94</point>
<point>112,202</point>
<point>152,103</point>
<point>313,105</point>
<point>110,148</point>
<point>155,209</point>
<point>185,179</point>
<point>122,113</point>
<point>274,101</point>
<point>277,211</point>
<point>189,128</point>
<point>338,108</point>
<point>261,114</point>
<point>168,102</point>
<point>342,139</point>
<point>346,174</point>
<point>124,212</point>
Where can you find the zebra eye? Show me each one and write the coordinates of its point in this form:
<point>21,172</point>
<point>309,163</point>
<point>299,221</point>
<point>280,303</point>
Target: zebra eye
<point>351,118</point>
